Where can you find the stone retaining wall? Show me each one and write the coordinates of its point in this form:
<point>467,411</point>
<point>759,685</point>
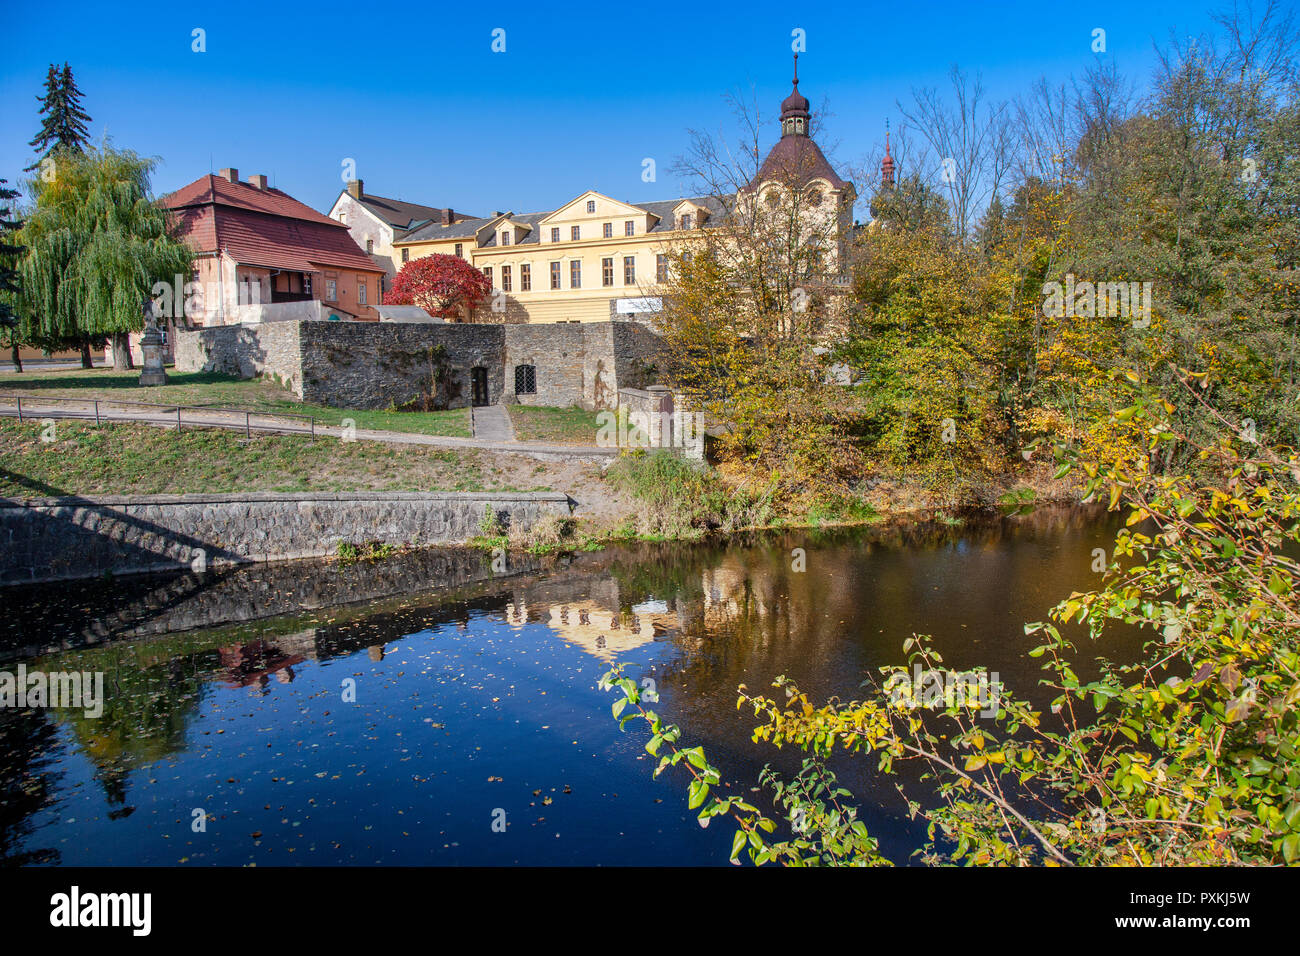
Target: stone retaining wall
<point>54,539</point>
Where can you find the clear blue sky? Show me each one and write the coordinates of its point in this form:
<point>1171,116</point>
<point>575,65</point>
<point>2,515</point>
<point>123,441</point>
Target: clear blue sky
<point>582,94</point>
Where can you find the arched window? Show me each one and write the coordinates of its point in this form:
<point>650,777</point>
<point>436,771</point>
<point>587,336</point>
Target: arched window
<point>525,380</point>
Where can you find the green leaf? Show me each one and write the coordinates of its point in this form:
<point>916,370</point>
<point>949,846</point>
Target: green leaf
<point>737,844</point>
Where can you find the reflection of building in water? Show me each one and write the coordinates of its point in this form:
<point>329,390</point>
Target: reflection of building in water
<point>606,634</point>
<point>252,664</point>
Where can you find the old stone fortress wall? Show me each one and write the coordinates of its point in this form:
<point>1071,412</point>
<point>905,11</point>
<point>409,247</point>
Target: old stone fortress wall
<point>397,364</point>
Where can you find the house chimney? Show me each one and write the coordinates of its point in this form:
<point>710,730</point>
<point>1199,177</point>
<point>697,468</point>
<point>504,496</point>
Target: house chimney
<point>257,182</point>
<point>448,216</point>
<point>229,175</point>
<point>356,188</point>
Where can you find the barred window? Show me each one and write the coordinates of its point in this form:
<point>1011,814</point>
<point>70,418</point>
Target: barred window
<point>525,380</point>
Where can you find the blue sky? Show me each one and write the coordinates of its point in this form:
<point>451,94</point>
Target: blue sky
<point>582,93</point>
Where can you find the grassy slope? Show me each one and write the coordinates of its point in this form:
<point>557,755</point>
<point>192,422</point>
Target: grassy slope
<point>565,426</point>
<point>143,459</point>
<point>205,388</point>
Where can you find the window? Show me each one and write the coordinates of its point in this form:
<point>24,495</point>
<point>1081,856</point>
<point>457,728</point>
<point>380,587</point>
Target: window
<point>331,290</point>
<point>575,274</point>
<point>609,230</point>
<point>575,233</point>
<point>629,228</point>
<point>606,271</point>
<point>688,221</point>
<point>361,291</point>
<point>525,380</point>
<point>525,277</point>
<point>505,237</point>
<point>555,275</point>
<point>629,270</point>
<point>306,283</point>
<point>555,234</point>
<point>591,205</point>
<point>661,268</point>
<point>505,278</point>
<point>487,271</point>
<point>460,250</point>
<point>370,247</point>
<point>406,255</point>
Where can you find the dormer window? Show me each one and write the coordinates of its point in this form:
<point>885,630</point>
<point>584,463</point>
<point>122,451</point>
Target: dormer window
<point>688,221</point>
<point>591,205</point>
<point>505,237</point>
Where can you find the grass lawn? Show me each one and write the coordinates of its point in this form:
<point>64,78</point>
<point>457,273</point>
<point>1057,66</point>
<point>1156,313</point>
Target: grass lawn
<point>207,388</point>
<point>144,459</point>
<point>565,426</point>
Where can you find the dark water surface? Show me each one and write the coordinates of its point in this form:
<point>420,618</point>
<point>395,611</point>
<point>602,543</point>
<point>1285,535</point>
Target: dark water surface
<point>475,695</point>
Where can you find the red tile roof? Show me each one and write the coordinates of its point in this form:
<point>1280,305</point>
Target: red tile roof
<point>262,227</point>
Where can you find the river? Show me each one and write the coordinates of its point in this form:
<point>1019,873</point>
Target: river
<point>391,712</point>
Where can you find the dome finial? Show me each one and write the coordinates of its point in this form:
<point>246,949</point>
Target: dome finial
<point>796,69</point>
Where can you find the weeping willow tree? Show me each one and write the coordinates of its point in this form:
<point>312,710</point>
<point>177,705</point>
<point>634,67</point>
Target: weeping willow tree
<point>95,245</point>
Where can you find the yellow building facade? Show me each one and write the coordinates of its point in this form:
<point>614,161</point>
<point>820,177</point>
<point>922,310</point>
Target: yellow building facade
<point>596,258</point>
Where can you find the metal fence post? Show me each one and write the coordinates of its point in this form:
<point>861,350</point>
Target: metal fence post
<point>248,426</point>
<point>20,407</point>
<point>97,411</point>
<point>178,418</point>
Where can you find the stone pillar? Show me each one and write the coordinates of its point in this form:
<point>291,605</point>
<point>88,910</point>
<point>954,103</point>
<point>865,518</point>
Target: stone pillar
<point>151,348</point>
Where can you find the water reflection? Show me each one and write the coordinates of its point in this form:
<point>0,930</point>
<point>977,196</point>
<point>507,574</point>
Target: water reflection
<point>480,694</point>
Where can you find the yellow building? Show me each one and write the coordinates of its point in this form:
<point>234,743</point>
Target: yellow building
<point>596,258</point>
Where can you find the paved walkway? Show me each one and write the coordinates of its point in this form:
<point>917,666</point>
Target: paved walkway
<point>236,420</point>
<point>492,423</point>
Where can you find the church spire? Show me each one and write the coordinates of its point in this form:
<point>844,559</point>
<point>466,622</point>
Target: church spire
<point>887,164</point>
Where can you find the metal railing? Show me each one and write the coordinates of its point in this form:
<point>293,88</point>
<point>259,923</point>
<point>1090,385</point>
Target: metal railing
<point>99,410</point>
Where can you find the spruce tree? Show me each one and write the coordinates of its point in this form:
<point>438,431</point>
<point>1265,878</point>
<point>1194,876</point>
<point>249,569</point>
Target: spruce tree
<point>9,251</point>
<point>63,121</point>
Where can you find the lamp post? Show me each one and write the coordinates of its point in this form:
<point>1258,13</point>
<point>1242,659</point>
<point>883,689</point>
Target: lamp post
<point>151,346</point>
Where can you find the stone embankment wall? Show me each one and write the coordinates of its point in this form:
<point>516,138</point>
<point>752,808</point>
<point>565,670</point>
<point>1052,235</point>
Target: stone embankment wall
<point>55,539</point>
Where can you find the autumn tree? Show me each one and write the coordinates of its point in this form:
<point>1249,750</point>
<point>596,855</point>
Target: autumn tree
<point>749,307</point>
<point>442,285</point>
